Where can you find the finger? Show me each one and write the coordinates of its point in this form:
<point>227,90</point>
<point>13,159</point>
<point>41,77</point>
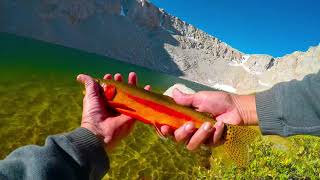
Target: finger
<point>200,136</point>
<point>166,130</point>
<point>130,125</point>
<point>219,127</point>
<point>92,88</point>
<point>132,78</point>
<point>117,121</point>
<point>182,98</point>
<point>184,133</point>
<point>147,87</point>
<point>127,125</point>
<point>121,127</point>
<point>118,77</point>
<point>107,76</point>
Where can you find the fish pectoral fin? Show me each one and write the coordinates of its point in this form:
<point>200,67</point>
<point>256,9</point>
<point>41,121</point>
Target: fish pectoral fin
<point>156,127</point>
<point>120,106</point>
<point>109,92</point>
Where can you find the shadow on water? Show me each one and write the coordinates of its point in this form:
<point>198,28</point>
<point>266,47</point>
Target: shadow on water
<point>87,26</point>
<point>36,56</point>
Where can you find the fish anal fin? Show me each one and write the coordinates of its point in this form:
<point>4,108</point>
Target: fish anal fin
<point>134,115</point>
<point>156,127</point>
<point>237,142</point>
<point>147,121</point>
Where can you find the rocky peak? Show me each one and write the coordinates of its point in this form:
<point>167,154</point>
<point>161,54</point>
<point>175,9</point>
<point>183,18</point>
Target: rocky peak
<point>138,32</point>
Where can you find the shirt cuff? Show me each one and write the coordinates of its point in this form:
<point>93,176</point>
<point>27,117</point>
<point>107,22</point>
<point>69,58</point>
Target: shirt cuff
<point>91,151</point>
<point>269,112</point>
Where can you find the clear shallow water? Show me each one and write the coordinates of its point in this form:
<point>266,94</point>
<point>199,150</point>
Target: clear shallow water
<point>39,96</point>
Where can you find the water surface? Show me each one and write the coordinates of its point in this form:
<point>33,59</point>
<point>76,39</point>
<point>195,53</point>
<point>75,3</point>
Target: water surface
<point>39,96</point>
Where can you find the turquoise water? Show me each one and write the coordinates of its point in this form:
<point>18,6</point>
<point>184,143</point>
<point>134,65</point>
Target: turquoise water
<point>39,96</point>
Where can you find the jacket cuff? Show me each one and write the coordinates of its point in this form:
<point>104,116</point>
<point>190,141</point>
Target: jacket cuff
<point>91,151</point>
<point>269,112</point>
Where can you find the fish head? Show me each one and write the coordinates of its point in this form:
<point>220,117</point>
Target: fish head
<point>111,89</point>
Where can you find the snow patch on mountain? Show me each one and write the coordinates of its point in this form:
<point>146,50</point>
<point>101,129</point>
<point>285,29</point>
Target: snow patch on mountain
<point>243,60</point>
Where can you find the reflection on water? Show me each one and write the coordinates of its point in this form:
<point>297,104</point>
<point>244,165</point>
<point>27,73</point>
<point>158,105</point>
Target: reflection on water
<point>39,96</point>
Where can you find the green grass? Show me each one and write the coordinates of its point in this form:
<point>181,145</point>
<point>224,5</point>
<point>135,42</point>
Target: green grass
<point>292,158</point>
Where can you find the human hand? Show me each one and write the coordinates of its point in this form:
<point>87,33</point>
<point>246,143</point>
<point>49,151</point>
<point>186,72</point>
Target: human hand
<point>100,119</point>
<point>225,107</point>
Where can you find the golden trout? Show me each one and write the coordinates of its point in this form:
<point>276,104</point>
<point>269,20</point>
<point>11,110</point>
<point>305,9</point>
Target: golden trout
<point>158,109</point>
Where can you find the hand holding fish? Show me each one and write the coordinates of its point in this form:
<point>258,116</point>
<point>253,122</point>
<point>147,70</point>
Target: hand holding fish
<point>160,111</point>
<point>101,121</point>
<point>225,107</point>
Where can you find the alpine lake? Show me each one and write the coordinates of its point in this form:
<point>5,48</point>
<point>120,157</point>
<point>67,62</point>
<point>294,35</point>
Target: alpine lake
<point>39,96</point>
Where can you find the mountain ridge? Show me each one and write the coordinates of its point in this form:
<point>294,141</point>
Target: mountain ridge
<point>138,32</point>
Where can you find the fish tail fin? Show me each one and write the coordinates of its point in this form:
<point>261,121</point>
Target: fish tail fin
<point>237,141</point>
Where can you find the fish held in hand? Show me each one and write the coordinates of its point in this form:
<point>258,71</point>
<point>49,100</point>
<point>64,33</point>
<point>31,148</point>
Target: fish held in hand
<point>157,109</point>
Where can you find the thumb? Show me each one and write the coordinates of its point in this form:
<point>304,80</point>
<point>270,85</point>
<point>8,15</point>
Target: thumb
<point>122,120</point>
<point>182,98</point>
<point>117,122</point>
<point>92,88</point>
<point>229,118</point>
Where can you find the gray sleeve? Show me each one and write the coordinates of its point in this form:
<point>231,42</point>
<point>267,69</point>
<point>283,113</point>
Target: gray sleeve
<point>75,155</point>
<point>291,108</point>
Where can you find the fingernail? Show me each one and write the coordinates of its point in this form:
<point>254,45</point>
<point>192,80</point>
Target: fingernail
<point>207,126</point>
<point>189,127</point>
<point>79,76</point>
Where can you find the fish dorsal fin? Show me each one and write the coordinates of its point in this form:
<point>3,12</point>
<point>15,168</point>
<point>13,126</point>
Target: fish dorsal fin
<point>209,115</point>
<point>237,141</point>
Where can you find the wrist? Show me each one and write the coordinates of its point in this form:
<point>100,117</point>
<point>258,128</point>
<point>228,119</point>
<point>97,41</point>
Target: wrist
<point>93,130</point>
<point>246,106</point>
<point>89,150</point>
<point>105,139</point>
